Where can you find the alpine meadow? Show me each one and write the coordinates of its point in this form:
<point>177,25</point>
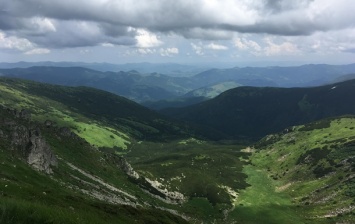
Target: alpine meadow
<point>159,111</point>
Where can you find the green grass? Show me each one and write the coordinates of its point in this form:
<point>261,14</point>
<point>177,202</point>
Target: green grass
<point>260,203</point>
<point>27,196</point>
<point>96,134</point>
<point>101,136</point>
<point>201,170</point>
<point>313,161</point>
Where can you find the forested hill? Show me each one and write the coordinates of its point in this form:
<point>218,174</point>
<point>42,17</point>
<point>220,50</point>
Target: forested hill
<point>252,112</point>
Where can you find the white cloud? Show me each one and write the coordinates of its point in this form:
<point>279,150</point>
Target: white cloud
<point>85,51</point>
<point>168,52</point>
<point>213,46</point>
<point>42,25</point>
<point>107,45</point>
<point>239,44</point>
<point>284,48</point>
<point>198,49</point>
<point>15,43</point>
<point>245,44</point>
<point>38,51</point>
<point>293,28</point>
<point>146,39</point>
<point>145,51</point>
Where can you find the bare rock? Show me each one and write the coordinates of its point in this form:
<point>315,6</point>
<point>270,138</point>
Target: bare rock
<point>41,157</point>
<point>20,138</point>
<point>127,168</point>
<point>25,114</point>
<point>49,123</point>
<point>64,131</point>
<point>33,147</point>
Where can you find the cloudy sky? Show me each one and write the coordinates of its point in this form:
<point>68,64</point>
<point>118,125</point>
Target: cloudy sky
<point>183,31</point>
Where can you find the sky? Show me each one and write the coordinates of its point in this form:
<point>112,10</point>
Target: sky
<point>181,31</point>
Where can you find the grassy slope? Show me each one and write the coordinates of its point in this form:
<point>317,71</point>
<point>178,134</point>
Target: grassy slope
<point>260,203</point>
<point>21,185</point>
<point>44,108</point>
<point>199,170</point>
<point>80,107</point>
<point>69,107</point>
<point>27,196</point>
<point>313,166</point>
<point>284,177</point>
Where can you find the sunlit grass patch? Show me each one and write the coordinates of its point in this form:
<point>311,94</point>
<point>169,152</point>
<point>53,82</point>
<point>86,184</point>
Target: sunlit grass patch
<point>260,203</point>
<point>101,136</point>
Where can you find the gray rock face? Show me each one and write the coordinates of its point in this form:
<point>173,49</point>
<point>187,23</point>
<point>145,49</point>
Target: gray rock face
<point>127,168</point>
<point>25,140</point>
<point>23,114</point>
<point>34,148</point>
<point>41,157</point>
<point>64,131</point>
<point>20,138</point>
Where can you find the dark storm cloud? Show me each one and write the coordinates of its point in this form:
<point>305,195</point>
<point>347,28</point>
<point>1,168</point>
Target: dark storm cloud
<point>91,22</point>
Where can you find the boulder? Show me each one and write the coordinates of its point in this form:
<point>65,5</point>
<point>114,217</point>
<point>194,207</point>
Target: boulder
<point>40,156</point>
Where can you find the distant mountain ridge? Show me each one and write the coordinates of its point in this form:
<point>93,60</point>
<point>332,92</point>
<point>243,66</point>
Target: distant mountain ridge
<point>296,76</point>
<point>169,69</point>
<point>132,85</point>
<point>252,112</point>
<point>192,97</point>
<point>155,86</point>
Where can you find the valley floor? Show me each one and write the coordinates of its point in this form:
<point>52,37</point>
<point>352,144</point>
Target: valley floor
<point>261,203</point>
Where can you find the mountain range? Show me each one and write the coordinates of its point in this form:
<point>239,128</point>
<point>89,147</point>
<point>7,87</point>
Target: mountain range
<point>76,154</point>
<point>170,69</point>
<point>253,112</point>
<point>154,86</point>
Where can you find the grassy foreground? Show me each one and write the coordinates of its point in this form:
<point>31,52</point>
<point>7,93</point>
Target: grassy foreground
<point>260,203</point>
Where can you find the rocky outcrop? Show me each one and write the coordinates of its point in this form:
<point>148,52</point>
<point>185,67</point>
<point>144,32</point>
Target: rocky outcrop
<point>40,156</point>
<point>23,114</point>
<point>153,187</point>
<point>33,147</point>
<point>26,141</point>
<point>127,168</point>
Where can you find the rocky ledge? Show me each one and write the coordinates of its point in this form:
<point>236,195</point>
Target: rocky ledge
<point>25,140</point>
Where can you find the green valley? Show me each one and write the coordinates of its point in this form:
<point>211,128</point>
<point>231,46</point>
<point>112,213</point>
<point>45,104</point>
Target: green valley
<point>81,155</point>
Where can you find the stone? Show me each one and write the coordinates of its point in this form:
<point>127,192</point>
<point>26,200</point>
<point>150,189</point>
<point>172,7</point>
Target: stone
<point>64,131</point>
<point>40,156</point>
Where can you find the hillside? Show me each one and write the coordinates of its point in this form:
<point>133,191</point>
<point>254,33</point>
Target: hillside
<point>78,106</point>
<point>305,171</point>
<point>132,84</point>
<point>71,149</point>
<point>51,175</point>
<point>251,112</point>
<point>80,155</point>
<point>192,97</point>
